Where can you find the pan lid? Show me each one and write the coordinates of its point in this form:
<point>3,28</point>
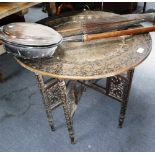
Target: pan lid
<point>31,34</point>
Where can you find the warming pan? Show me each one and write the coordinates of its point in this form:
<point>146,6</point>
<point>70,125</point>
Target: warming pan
<point>29,40</point>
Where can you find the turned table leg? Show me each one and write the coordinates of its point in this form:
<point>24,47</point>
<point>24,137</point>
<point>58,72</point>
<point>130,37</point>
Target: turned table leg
<point>46,102</point>
<point>126,97</point>
<point>118,87</point>
<point>69,120</point>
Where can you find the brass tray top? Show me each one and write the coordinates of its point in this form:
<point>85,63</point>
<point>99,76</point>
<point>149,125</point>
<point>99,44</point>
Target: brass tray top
<point>94,59</point>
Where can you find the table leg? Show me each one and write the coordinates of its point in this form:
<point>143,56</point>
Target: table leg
<point>46,102</point>
<point>126,97</point>
<point>69,121</point>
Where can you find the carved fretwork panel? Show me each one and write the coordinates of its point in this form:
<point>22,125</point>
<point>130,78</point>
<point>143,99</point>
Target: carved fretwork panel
<point>73,92</point>
<point>118,87</point>
<point>53,94</point>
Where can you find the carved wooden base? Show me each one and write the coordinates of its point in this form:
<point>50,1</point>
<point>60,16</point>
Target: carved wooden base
<point>57,92</point>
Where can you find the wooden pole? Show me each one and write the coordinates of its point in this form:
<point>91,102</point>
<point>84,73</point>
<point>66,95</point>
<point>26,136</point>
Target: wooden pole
<point>88,37</point>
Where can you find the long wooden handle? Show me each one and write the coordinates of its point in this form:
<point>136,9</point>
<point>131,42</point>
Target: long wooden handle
<point>88,37</point>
